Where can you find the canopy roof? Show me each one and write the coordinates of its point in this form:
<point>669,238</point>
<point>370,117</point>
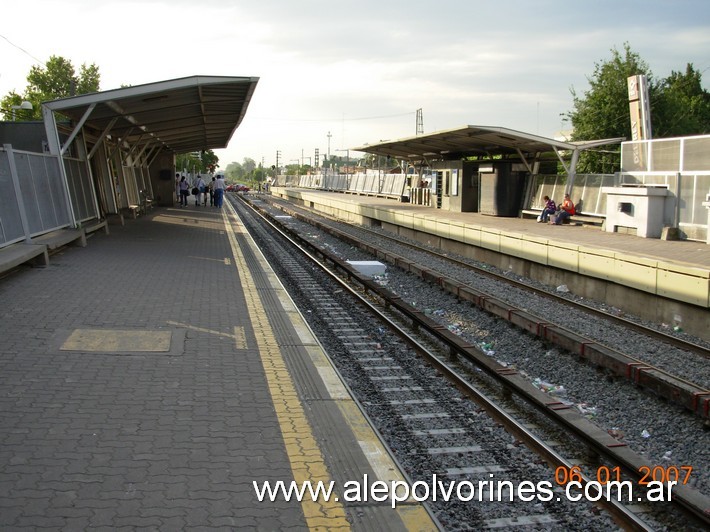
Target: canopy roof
<point>183,115</point>
<point>467,141</point>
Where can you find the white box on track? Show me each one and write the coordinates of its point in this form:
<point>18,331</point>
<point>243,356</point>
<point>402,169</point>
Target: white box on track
<point>370,268</point>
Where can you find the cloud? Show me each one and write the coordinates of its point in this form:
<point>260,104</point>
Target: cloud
<point>360,70</point>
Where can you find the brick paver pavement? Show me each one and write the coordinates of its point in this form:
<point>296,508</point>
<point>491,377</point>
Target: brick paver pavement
<point>100,432</point>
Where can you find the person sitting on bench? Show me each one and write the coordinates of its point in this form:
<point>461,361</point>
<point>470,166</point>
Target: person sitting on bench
<point>566,210</point>
<point>549,209</point>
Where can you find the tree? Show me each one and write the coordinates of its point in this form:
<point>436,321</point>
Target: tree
<point>249,165</point>
<point>234,172</point>
<point>196,161</point>
<point>679,106</point>
<point>209,161</point>
<point>684,106</point>
<point>56,79</point>
<point>603,111</point>
<point>259,174</point>
<point>293,169</point>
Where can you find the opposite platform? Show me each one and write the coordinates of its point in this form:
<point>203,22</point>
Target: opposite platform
<point>150,378</point>
<point>640,275</point>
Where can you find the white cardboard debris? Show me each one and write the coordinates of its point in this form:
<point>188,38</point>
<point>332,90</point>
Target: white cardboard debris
<point>369,268</point>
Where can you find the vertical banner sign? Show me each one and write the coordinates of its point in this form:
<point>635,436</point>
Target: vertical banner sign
<point>640,114</point>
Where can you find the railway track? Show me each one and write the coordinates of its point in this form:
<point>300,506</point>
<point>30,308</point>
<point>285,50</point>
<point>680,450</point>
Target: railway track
<point>691,395</point>
<point>452,440</point>
<point>666,337</point>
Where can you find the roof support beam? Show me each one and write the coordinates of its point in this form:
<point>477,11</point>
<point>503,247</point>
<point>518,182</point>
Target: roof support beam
<point>103,135</point>
<point>134,146</point>
<point>562,162</point>
<point>153,154</point>
<point>50,127</point>
<point>525,161</point>
<point>130,119</point>
<point>572,171</point>
<point>77,128</point>
<point>139,155</point>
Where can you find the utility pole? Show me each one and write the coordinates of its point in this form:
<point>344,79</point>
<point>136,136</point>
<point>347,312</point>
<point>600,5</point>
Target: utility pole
<point>420,122</point>
<point>329,135</point>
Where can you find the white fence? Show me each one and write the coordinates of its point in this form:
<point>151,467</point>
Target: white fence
<point>682,165</point>
<point>585,193</point>
<point>370,182</point>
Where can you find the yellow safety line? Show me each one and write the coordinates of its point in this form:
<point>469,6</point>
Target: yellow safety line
<point>304,454</point>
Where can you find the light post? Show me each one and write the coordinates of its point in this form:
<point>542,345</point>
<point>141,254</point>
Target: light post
<point>26,106</point>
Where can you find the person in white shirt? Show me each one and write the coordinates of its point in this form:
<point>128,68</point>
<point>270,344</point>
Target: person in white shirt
<point>200,186</point>
<point>219,187</point>
<point>210,191</point>
<point>184,187</point>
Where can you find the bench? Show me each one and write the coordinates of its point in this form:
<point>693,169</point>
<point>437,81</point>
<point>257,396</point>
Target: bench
<point>94,225</point>
<point>146,202</point>
<point>134,210</point>
<point>38,248</point>
<point>577,219</point>
<point>61,237</point>
<point>15,254</point>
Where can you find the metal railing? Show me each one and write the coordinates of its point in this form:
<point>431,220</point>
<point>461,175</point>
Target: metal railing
<point>36,199</point>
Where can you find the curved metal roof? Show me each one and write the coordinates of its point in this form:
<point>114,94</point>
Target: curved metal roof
<point>467,141</point>
<point>183,115</point>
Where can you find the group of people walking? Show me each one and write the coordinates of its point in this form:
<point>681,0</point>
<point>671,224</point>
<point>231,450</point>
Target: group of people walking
<point>212,190</point>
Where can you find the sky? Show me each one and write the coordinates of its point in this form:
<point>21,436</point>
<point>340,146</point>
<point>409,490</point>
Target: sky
<point>334,75</point>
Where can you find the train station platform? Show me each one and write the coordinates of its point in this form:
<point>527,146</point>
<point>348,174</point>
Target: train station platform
<point>665,281</point>
<point>156,377</point>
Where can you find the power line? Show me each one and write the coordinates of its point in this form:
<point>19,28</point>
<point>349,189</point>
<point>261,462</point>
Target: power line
<point>23,50</point>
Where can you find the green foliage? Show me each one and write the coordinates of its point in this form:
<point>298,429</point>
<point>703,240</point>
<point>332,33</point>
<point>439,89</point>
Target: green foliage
<point>249,165</point>
<point>234,172</point>
<point>603,111</point>
<point>293,169</point>
<point>209,161</point>
<point>56,79</point>
<point>258,175</point>
<point>202,162</point>
<point>246,172</point>
<point>679,107</point>
<point>683,107</point>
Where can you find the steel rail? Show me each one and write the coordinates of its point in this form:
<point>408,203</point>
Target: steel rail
<point>622,515</point>
<point>648,331</point>
<point>676,389</point>
<point>691,501</point>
